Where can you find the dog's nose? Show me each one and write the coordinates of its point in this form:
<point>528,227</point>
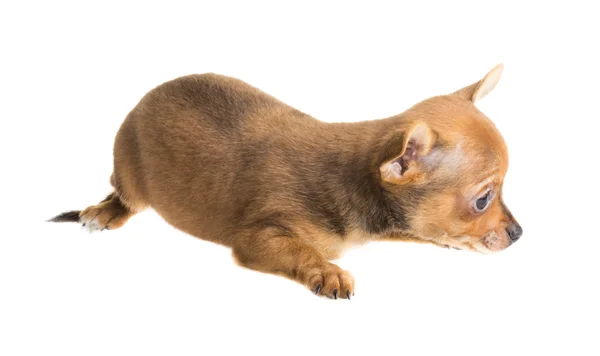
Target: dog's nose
<point>514,231</point>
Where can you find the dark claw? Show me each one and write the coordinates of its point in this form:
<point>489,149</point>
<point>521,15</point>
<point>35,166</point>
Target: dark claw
<point>348,295</point>
<point>83,224</point>
<point>318,289</point>
<point>335,294</point>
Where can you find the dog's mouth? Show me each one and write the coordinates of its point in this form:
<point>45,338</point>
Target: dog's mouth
<point>490,243</point>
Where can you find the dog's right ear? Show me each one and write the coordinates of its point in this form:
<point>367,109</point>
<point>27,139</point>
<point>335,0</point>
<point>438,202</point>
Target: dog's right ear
<point>483,87</point>
<point>403,152</point>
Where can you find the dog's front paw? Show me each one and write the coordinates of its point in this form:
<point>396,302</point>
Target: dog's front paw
<point>330,281</point>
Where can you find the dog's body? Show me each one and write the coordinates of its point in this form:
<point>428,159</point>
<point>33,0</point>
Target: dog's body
<point>223,161</point>
<point>214,156</point>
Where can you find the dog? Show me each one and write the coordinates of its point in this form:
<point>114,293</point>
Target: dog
<point>223,161</point>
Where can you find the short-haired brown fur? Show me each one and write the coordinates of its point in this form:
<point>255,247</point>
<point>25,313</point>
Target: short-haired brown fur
<point>226,162</point>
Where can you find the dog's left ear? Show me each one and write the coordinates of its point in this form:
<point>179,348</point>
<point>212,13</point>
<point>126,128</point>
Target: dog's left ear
<point>414,144</point>
<point>483,87</point>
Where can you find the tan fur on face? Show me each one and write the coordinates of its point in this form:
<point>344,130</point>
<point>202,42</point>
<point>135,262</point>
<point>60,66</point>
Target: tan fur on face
<point>475,158</point>
<point>226,162</point>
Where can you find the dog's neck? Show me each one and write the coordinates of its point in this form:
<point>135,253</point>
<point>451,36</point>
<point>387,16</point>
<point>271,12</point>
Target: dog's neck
<point>347,193</point>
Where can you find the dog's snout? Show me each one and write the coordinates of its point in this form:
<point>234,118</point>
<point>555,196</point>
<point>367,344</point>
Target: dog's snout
<point>514,231</point>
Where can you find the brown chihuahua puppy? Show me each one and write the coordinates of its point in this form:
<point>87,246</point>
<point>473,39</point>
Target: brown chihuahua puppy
<point>226,162</point>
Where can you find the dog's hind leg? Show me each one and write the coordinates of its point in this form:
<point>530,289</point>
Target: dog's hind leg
<point>109,214</point>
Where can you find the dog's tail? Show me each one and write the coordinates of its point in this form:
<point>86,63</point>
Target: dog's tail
<point>69,216</point>
<point>75,215</point>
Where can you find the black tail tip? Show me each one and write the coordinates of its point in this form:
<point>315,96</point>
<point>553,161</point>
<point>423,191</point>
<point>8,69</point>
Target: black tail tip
<point>69,216</point>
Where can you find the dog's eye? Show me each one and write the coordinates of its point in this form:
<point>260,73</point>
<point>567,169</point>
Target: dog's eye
<point>482,203</point>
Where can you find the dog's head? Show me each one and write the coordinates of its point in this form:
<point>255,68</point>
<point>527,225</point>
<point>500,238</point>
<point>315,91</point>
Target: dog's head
<point>450,161</point>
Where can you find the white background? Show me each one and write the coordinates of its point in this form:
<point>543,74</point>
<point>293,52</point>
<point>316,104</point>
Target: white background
<point>70,73</point>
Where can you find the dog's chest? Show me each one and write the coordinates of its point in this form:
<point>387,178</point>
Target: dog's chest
<point>332,245</point>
